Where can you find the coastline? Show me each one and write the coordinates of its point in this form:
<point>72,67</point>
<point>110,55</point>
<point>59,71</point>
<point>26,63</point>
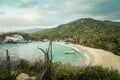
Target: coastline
<point>87,61</point>
<point>99,57</point>
<point>96,56</point>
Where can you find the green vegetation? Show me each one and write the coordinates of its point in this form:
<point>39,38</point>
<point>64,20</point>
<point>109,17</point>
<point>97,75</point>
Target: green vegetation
<point>89,32</point>
<point>47,73</point>
<point>47,70</point>
<point>64,72</point>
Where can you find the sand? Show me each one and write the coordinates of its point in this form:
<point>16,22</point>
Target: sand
<point>100,57</point>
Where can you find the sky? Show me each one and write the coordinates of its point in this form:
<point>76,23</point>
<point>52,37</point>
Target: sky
<point>28,14</point>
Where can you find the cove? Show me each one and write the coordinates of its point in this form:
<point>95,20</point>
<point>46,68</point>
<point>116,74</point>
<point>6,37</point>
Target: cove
<point>30,51</point>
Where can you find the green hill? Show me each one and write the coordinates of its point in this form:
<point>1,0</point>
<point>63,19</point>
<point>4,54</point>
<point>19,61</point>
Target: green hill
<point>86,31</point>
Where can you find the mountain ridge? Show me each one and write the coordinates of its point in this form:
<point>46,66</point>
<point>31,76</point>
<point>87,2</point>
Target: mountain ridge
<point>89,32</point>
<point>86,31</point>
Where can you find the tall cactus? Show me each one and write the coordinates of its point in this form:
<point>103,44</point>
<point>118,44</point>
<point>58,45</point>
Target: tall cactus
<point>46,75</point>
<point>8,68</point>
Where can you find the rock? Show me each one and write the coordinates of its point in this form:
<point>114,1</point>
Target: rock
<point>24,76</point>
<point>14,38</point>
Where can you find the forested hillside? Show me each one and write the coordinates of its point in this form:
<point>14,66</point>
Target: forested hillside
<point>86,31</point>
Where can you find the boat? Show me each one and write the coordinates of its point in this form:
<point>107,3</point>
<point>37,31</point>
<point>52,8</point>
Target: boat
<point>69,52</point>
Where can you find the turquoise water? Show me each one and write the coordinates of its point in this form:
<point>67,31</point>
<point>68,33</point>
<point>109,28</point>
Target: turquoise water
<point>30,51</point>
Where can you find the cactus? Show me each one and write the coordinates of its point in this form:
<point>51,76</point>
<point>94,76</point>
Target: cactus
<point>8,68</point>
<point>46,74</point>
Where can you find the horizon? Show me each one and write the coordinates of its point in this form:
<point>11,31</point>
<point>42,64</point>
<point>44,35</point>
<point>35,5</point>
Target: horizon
<point>29,28</point>
<point>30,14</point>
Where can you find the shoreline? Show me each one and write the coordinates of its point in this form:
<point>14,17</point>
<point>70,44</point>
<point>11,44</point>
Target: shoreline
<point>99,57</point>
<point>87,61</point>
<point>96,56</point>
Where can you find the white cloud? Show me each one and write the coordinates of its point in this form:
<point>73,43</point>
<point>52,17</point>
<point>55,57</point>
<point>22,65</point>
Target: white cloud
<point>28,13</point>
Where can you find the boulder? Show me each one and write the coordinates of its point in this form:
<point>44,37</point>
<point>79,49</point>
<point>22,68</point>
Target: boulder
<point>23,76</point>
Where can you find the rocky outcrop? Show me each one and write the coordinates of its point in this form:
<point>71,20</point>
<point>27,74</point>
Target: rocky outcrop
<point>23,76</point>
<point>14,38</point>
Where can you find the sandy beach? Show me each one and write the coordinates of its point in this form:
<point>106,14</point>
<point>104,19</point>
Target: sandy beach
<point>100,57</point>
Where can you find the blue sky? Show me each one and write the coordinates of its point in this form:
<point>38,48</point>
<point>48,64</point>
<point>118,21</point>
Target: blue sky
<point>26,14</point>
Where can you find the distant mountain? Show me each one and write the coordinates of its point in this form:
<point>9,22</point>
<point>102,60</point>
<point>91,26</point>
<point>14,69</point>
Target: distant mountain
<point>31,30</point>
<point>86,31</point>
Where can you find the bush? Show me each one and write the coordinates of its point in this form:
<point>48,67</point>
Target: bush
<point>64,72</point>
<point>89,73</point>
